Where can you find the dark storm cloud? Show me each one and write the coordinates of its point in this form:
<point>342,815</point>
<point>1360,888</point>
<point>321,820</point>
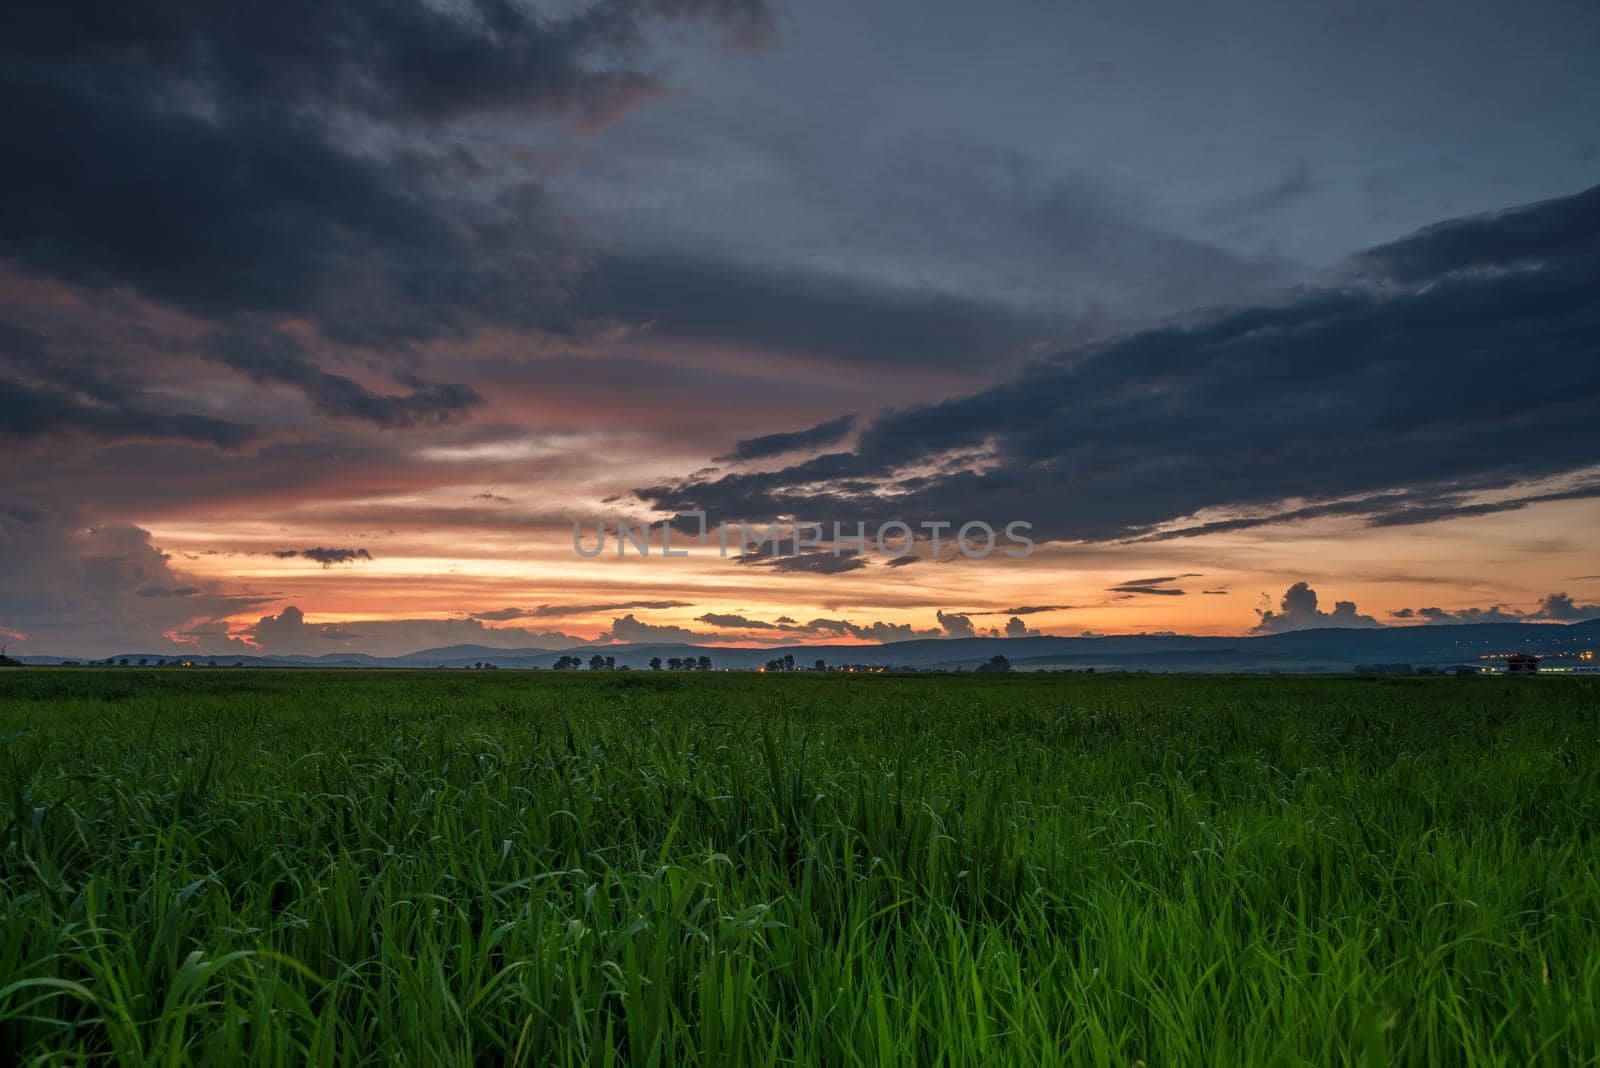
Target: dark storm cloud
<point>1567,229</point>
<point>28,412</point>
<point>325,557</point>
<point>240,162</point>
<point>1467,364</point>
<point>277,358</point>
<point>792,441</point>
<point>256,213</point>
<point>411,61</point>
<point>1453,507</point>
<point>1390,509</point>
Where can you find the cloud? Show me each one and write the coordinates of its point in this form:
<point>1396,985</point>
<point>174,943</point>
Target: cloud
<point>308,173</point>
<point>408,61</point>
<point>1552,608</point>
<point>1016,628</point>
<point>277,358</point>
<point>284,631</point>
<point>1531,237</point>
<point>81,589</point>
<point>876,631</point>
<point>955,626</point>
<point>735,621</point>
<point>325,557</point>
<point>630,629</point>
<point>547,611</point>
<point>1031,609</point>
<point>290,633</point>
<point>1559,607</point>
<point>1382,409</point>
<point>793,441</point>
<point>1156,586</point>
<point>1495,614</point>
<point>499,615</point>
<point>818,562</point>
<point>29,412</point>
<point>1298,611</point>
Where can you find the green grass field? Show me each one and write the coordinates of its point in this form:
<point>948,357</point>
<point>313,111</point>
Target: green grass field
<point>285,867</point>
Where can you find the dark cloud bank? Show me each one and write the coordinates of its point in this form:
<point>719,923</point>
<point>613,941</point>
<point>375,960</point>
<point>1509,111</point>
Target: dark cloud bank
<point>1458,360</point>
<point>248,165</point>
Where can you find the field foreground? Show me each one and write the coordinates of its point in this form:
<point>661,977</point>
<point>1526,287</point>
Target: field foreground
<point>658,868</point>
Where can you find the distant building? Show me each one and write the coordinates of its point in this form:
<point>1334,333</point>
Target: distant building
<point>1522,664</point>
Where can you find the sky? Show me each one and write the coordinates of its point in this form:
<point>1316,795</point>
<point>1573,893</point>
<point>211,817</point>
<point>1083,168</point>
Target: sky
<point>322,323</point>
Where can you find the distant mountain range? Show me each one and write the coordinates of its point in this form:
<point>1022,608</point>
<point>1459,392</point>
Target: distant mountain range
<point>1324,650</point>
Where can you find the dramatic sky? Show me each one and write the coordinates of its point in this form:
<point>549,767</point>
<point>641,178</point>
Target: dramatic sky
<point>321,321</point>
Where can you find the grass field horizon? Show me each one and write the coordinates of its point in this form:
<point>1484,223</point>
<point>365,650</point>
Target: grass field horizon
<point>292,867</point>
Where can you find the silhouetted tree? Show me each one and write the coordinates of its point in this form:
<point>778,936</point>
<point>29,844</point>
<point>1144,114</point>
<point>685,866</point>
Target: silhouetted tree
<point>611,663</point>
<point>655,663</point>
<point>674,663</point>
<point>597,662</point>
<point>705,663</point>
<point>822,665</point>
<point>996,663</point>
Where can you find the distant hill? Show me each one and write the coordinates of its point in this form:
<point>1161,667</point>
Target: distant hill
<point>1298,651</point>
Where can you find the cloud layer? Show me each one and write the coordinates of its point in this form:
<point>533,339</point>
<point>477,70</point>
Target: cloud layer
<point>1385,398</point>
